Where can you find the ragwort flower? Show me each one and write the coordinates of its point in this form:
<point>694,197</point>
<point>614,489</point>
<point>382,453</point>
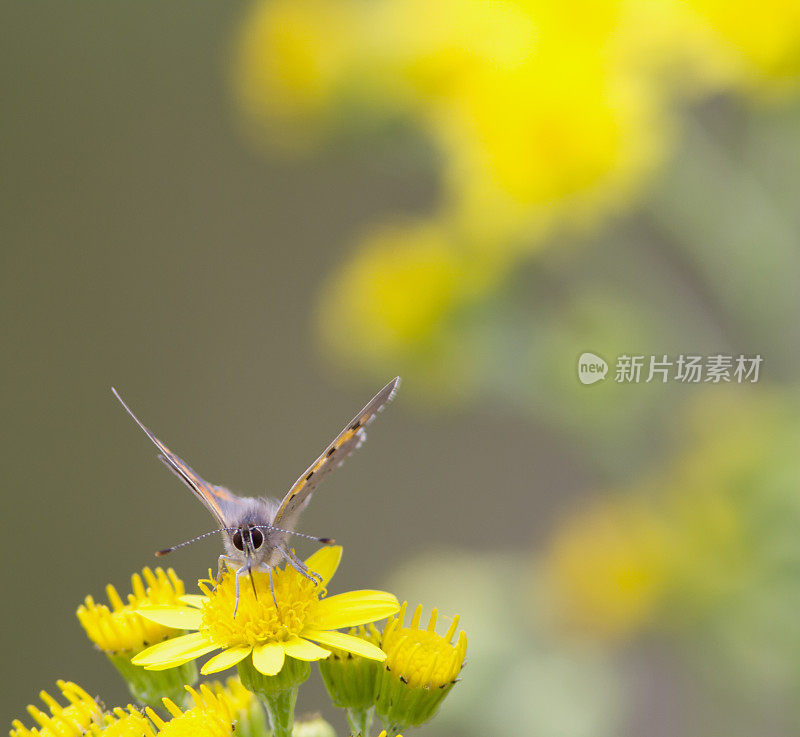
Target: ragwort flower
<point>121,633</point>
<point>64,721</point>
<point>420,669</point>
<point>211,715</point>
<point>118,628</point>
<point>303,622</point>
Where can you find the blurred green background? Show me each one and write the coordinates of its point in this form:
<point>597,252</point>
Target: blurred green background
<point>249,216</point>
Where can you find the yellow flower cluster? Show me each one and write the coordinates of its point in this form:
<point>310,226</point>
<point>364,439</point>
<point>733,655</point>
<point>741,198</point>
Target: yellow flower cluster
<point>683,537</point>
<point>271,630</point>
<point>211,715</point>
<point>72,720</point>
<point>545,116</point>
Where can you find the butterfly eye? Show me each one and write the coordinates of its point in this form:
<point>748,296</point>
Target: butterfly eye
<point>256,538</point>
<point>238,543</point>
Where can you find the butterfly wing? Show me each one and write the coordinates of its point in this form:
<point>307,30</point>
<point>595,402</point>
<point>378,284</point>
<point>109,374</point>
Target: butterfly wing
<point>216,499</point>
<point>345,443</point>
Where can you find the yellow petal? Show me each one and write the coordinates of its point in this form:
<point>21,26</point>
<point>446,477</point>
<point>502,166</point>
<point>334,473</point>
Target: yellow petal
<point>325,562</point>
<point>301,649</point>
<point>226,659</point>
<point>351,609</point>
<point>179,617</point>
<point>184,647</point>
<point>354,645</point>
<point>268,658</point>
<point>196,600</point>
<point>175,662</point>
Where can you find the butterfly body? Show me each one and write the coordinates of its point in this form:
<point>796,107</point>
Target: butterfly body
<point>255,530</point>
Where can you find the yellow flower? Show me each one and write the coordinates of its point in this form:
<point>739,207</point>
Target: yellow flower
<point>211,715</point>
<point>421,668</point>
<point>291,60</point>
<point>239,698</point>
<point>119,628</point>
<point>761,40</point>
<point>122,633</point>
<point>63,721</point>
<point>609,567</point>
<point>247,710</point>
<point>303,620</point>
<point>397,299</point>
<point>527,150</point>
<point>421,657</point>
<point>128,722</point>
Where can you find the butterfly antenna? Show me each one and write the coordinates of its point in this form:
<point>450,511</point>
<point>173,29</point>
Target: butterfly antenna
<point>166,551</point>
<point>323,540</point>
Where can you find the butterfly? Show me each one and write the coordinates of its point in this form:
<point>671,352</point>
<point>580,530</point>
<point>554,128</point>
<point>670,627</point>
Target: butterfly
<point>255,530</point>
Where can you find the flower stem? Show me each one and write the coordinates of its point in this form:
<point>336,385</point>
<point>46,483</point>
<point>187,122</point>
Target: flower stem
<point>360,721</point>
<point>280,707</point>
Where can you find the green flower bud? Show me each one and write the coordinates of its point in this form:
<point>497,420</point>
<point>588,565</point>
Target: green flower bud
<point>350,680</point>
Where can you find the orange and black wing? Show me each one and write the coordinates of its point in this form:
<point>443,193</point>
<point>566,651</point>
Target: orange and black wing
<point>345,443</point>
<point>217,500</point>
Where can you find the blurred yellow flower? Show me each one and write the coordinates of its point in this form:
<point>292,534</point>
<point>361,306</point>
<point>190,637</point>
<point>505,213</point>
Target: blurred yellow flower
<point>459,38</point>
<point>684,537</point>
<point>546,117</point>
<point>529,150</point>
<point>533,110</point>
<point>608,568</point>
<point>291,60</point>
<point>761,39</point>
<point>396,299</point>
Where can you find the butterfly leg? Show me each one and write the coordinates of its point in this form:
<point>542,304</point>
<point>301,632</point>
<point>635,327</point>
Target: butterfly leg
<point>301,567</point>
<point>272,589</point>
<point>223,560</point>
<point>241,572</point>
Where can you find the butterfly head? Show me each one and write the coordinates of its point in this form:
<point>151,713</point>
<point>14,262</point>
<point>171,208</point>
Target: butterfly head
<point>249,537</point>
<point>250,544</point>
